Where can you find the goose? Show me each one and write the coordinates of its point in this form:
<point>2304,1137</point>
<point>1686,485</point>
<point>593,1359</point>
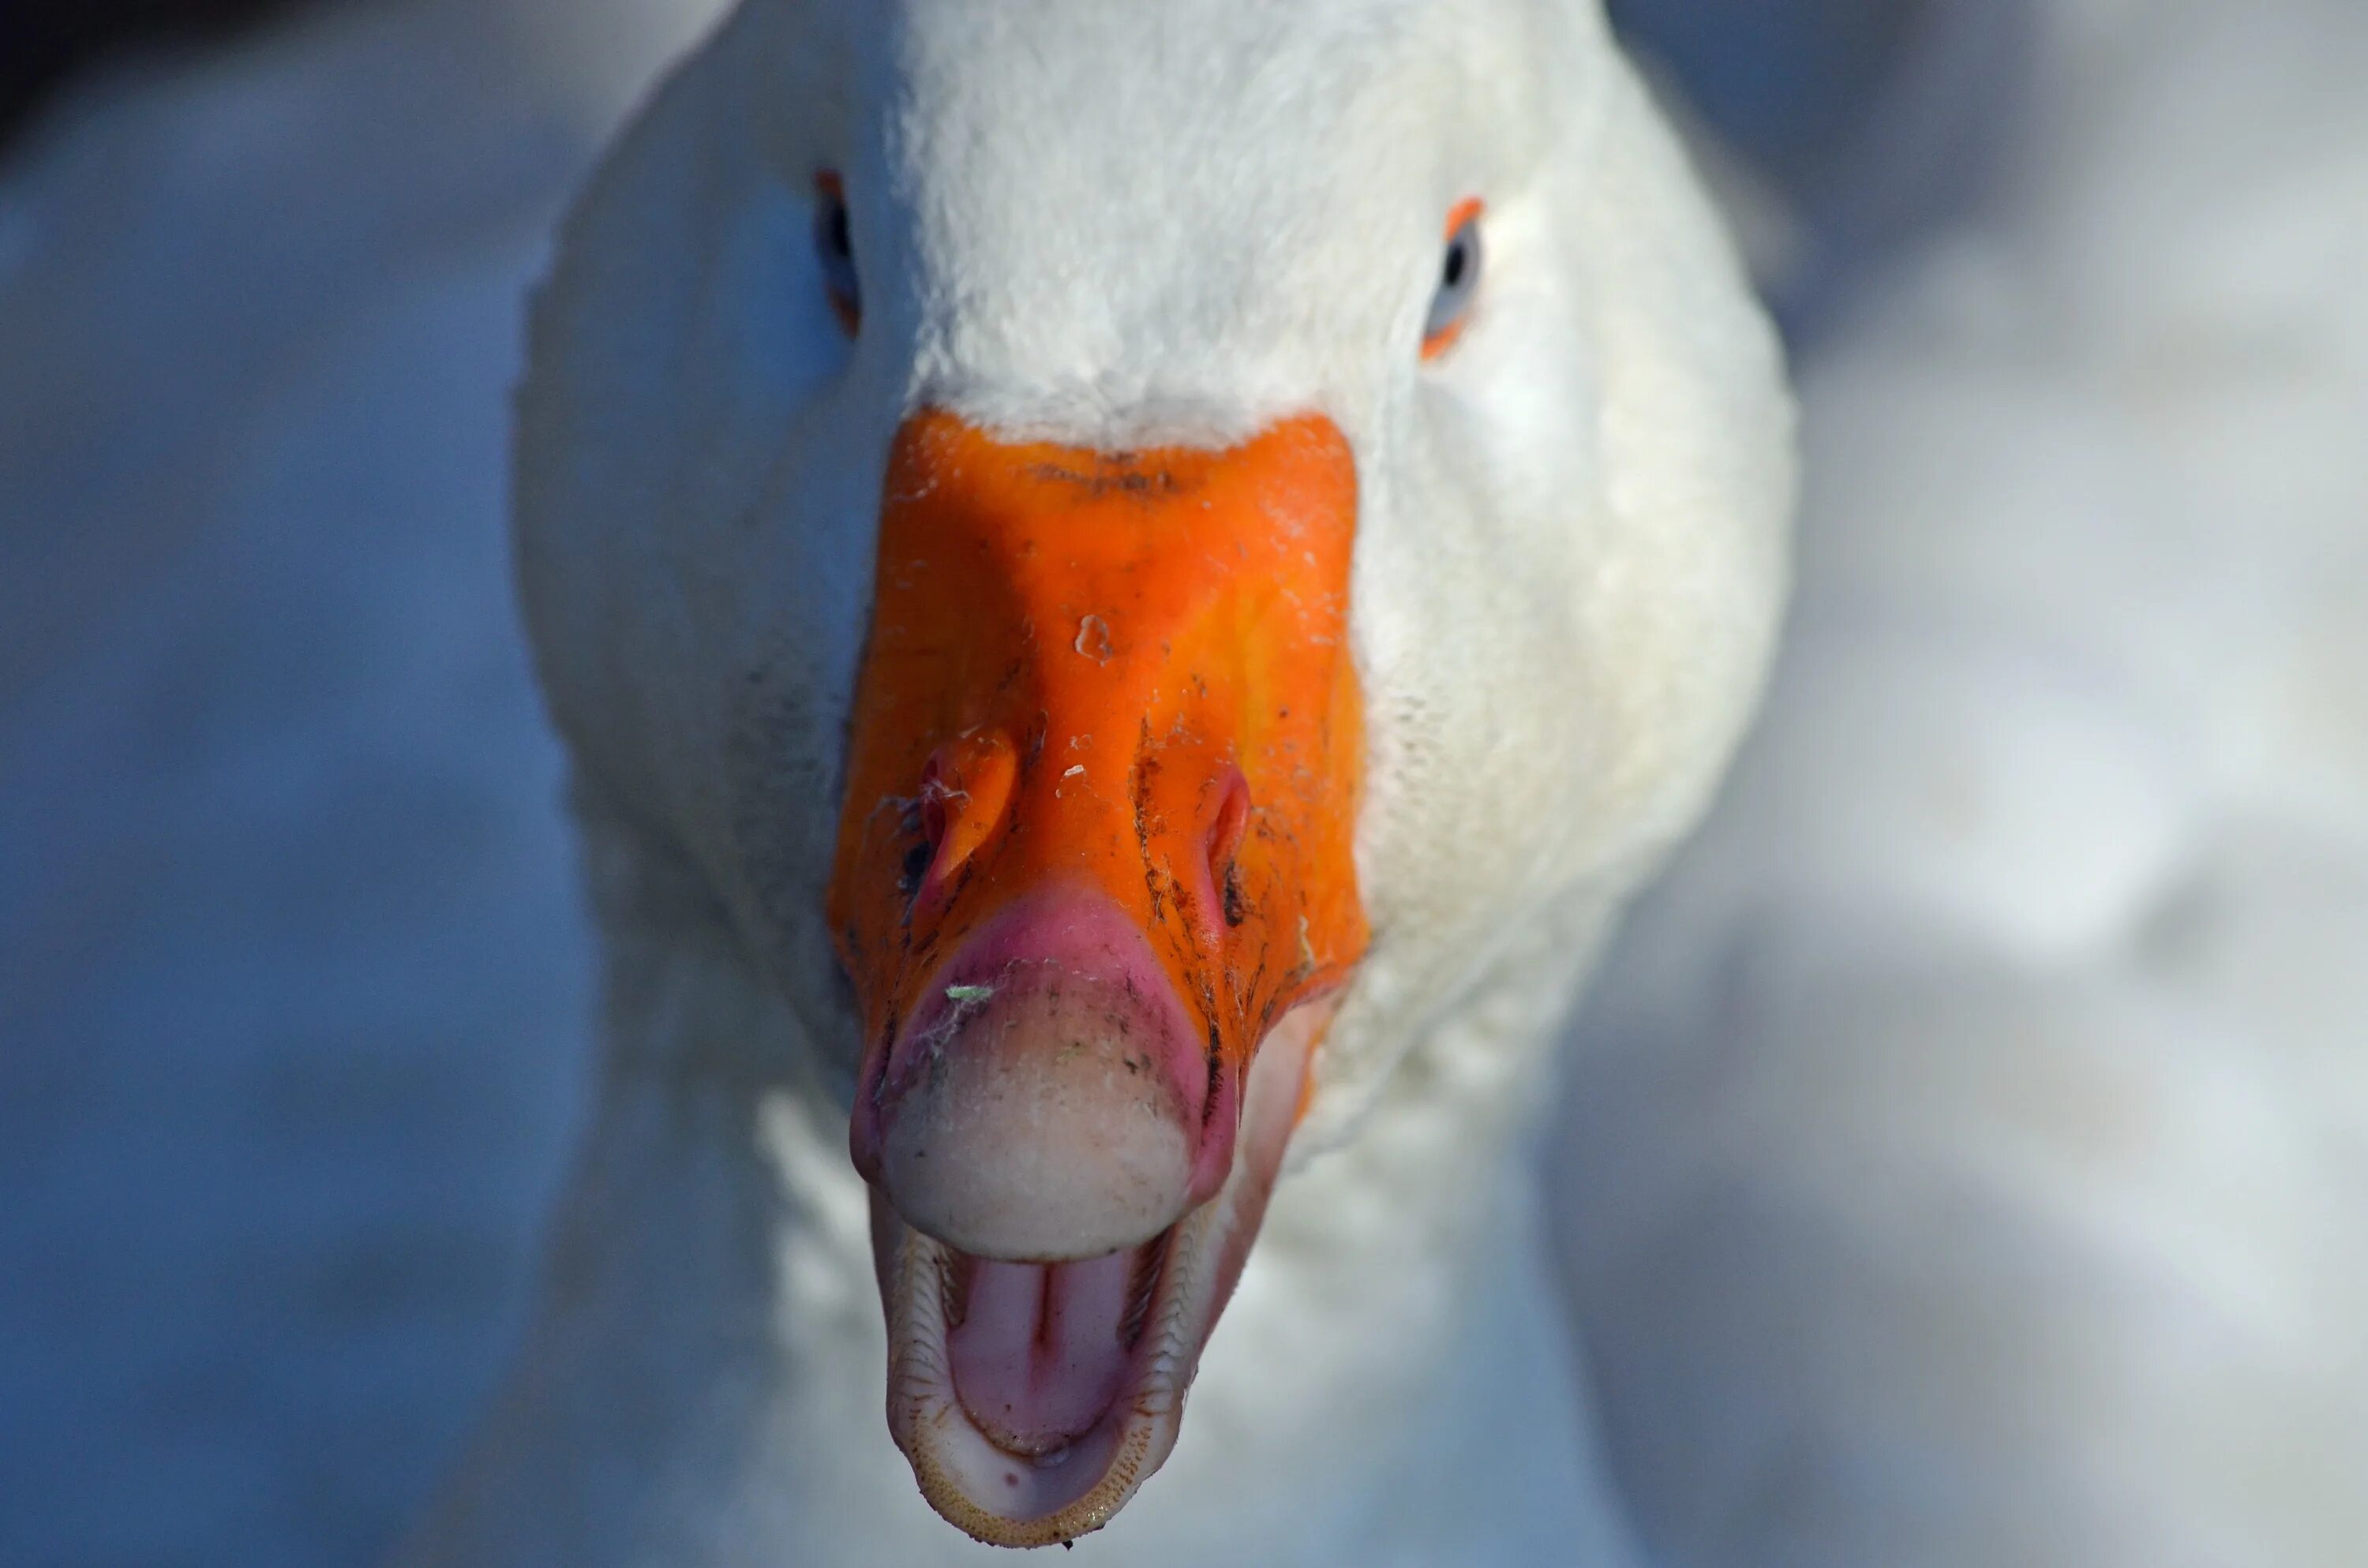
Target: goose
<point>1809,1283</point>
<point>1128,591</point>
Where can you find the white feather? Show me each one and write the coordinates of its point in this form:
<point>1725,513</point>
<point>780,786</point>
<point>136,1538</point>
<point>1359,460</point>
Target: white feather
<point>1970,1159</point>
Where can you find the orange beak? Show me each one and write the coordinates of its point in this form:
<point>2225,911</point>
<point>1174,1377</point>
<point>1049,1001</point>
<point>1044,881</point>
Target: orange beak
<point>1097,843</point>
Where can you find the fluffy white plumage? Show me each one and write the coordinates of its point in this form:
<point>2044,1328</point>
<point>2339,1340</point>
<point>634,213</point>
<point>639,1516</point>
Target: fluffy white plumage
<point>1569,542</point>
<point>2069,1277</point>
<point>1970,1158</point>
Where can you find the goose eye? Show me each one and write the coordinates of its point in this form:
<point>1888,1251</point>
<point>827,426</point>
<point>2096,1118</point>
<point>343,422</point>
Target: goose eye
<point>1459,280</point>
<point>836,248</point>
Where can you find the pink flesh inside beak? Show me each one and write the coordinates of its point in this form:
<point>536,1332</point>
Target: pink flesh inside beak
<point>1033,1398</point>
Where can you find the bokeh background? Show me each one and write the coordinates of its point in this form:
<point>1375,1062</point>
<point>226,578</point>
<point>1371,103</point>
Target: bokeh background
<point>1983,1098</point>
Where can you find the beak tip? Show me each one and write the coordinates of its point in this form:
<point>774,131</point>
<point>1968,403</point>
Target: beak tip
<point>1047,1097</point>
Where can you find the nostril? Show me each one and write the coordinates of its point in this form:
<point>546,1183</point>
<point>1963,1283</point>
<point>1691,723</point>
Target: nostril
<point>965,792</point>
<point>935,788</point>
<point>1226,829</point>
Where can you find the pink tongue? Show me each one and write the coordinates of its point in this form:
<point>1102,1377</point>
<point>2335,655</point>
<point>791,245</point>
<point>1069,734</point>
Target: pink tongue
<point>1039,1354</point>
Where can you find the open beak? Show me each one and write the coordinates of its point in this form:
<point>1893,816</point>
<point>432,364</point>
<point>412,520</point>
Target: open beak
<point>1094,881</point>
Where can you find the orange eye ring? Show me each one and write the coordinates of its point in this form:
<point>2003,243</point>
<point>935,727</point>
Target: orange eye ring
<point>1459,285</point>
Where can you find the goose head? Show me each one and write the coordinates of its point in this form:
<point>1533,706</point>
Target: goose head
<point>1129,551</point>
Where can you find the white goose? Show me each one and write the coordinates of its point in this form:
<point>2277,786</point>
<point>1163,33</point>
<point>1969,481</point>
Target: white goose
<point>1333,531</point>
<point>2070,1282</point>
